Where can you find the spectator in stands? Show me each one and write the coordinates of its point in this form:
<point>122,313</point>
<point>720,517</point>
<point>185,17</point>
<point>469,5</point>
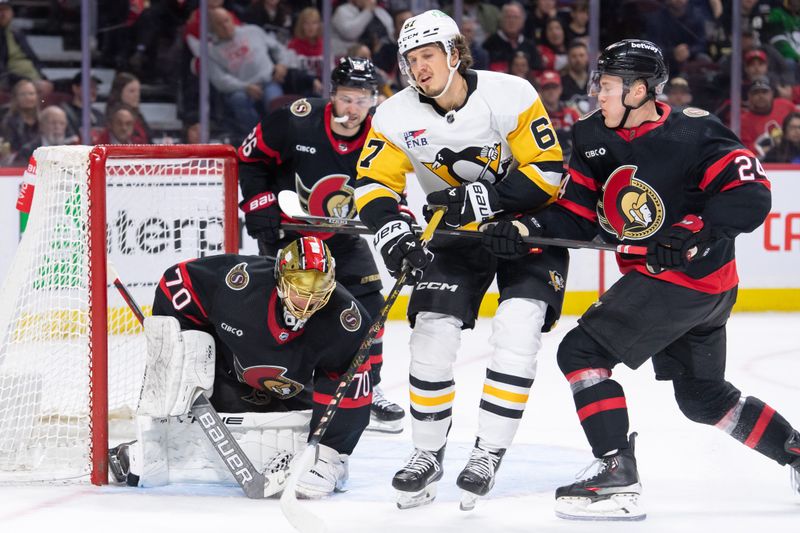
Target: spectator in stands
<point>788,148</point>
<point>552,46</point>
<point>242,70</point>
<point>562,117</point>
<point>521,66</point>
<point>273,16</point>
<point>120,125</point>
<point>538,17</point>
<point>756,66</point>
<point>126,89</point>
<point>385,59</point>
<point>783,28</point>
<point>509,38</point>
<point>17,59</point>
<point>485,17</point>
<point>753,15</point>
<point>480,57</point>
<point>578,26</point>
<point>679,29</point>
<point>678,93</point>
<point>307,45</point>
<point>360,21</point>
<point>52,132</point>
<point>21,124</point>
<point>761,123</point>
<point>74,108</point>
<point>575,75</point>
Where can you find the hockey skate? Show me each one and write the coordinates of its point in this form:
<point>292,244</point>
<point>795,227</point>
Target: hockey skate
<point>119,464</point>
<point>793,446</point>
<point>477,478</point>
<point>384,416</point>
<point>416,481</point>
<point>611,494</point>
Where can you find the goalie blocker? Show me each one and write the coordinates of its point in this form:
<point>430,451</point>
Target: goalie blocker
<point>279,333</point>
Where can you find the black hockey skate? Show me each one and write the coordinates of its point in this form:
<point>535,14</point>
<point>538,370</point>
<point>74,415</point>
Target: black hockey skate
<point>119,464</point>
<point>611,494</point>
<point>416,481</point>
<point>477,478</point>
<point>792,446</point>
<point>384,415</point>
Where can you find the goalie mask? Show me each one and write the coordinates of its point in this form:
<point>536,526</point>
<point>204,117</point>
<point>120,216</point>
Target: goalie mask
<point>430,27</point>
<point>305,276</point>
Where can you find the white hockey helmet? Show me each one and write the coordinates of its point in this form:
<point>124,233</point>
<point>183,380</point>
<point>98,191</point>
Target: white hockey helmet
<point>430,27</point>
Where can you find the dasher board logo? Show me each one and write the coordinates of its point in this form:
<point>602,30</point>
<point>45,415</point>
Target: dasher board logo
<point>237,278</point>
<point>629,208</point>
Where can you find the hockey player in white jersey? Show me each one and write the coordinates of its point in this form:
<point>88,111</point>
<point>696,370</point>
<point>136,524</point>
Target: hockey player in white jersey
<point>481,143</point>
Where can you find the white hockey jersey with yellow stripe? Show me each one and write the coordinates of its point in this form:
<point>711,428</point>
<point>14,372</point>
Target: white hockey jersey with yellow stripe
<point>501,134</point>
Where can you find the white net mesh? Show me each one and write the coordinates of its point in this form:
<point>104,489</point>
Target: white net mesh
<point>159,212</point>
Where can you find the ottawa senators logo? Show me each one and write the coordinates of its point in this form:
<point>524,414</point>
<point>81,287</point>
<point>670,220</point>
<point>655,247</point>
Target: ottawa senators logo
<point>237,278</point>
<point>630,208</point>
<point>329,197</point>
<point>470,164</point>
<point>300,108</point>
<point>269,379</point>
<point>350,318</point>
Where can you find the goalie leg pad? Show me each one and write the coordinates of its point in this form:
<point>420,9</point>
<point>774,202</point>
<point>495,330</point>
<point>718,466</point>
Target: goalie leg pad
<point>180,367</point>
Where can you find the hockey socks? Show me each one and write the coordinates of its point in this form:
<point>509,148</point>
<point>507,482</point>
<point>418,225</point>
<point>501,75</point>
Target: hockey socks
<point>760,427</point>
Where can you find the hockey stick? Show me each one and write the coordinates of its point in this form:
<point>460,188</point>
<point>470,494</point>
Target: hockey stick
<point>303,520</point>
<point>290,205</point>
<point>237,462</point>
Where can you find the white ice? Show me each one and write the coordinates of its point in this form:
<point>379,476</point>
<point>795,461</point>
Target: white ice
<point>695,477</point>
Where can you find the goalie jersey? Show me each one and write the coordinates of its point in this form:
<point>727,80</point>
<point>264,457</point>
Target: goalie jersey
<point>501,134</point>
<point>234,299</point>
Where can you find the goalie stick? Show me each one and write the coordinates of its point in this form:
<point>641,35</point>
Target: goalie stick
<point>307,222</point>
<point>229,451</point>
<point>304,520</point>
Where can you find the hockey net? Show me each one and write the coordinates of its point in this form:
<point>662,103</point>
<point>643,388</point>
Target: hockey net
<point>71,352</point>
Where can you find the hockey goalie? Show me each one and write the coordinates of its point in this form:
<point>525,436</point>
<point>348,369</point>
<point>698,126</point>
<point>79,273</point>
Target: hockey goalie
<point>266,341</point>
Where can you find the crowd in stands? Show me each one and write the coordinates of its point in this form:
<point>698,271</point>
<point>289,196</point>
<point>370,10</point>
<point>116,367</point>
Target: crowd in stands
<point>265,53</point>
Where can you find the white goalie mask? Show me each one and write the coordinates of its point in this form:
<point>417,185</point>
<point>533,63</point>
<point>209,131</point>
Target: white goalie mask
<point>430,27</point>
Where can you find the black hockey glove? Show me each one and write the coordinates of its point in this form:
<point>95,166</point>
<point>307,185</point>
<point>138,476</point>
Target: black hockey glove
<point>687,241</point>
<point>262,217</point>
<point>398,245</point>
<point>504,238</point>
<point>475,202</point>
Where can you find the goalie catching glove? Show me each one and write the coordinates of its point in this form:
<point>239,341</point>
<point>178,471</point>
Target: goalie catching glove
<point>398,245</point>
<point>180,367</point>
<point>475,202</point>
<point>504,238</point>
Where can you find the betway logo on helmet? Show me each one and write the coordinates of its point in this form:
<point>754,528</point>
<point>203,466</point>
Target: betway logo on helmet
<point>646,46</point>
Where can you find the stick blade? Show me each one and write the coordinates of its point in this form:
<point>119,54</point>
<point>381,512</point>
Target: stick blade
<point>289,203</point>
<point>301,519</point>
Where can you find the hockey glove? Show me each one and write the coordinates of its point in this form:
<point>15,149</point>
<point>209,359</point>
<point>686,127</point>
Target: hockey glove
<point>475,202</point>
<point>504,238</point>
<point>398,245</point>
<point>262,217</point>
<point>687,241</point>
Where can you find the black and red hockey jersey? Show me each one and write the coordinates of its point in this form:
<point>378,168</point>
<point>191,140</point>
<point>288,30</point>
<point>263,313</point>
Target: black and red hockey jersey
<point>295,149</point>
<point>234,298</point>
<point>628,185</point>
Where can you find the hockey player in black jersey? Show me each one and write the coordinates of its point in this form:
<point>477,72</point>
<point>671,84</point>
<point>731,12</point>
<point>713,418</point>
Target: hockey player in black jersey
<point>284,331</point>
<point>683,184</point>
<point>312,148</point>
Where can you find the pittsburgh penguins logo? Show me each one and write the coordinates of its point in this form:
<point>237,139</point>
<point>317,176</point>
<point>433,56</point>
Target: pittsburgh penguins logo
<point>331,196</point>
<point>268,378</point>
<point>630,208</point>
<point>237,278</point>
<point>470,164</point>
<point>556,281</point>
<point>300,108</point>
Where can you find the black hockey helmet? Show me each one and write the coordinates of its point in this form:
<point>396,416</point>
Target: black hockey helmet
<point>356,72</point>
<point>631,60</point>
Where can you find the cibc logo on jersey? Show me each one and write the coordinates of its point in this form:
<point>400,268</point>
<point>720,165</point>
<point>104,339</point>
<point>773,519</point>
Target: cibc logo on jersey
<point>629,208</point>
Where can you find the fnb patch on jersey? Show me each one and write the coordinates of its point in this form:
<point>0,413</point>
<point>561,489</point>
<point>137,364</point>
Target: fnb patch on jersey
<point>414,138</point>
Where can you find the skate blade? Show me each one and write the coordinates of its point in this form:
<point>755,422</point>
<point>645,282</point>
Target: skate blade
<point>621,507</point>
<point>468,501</point>
<point>794,479</point>
<point>385,426</point>
<point>408,500</point>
